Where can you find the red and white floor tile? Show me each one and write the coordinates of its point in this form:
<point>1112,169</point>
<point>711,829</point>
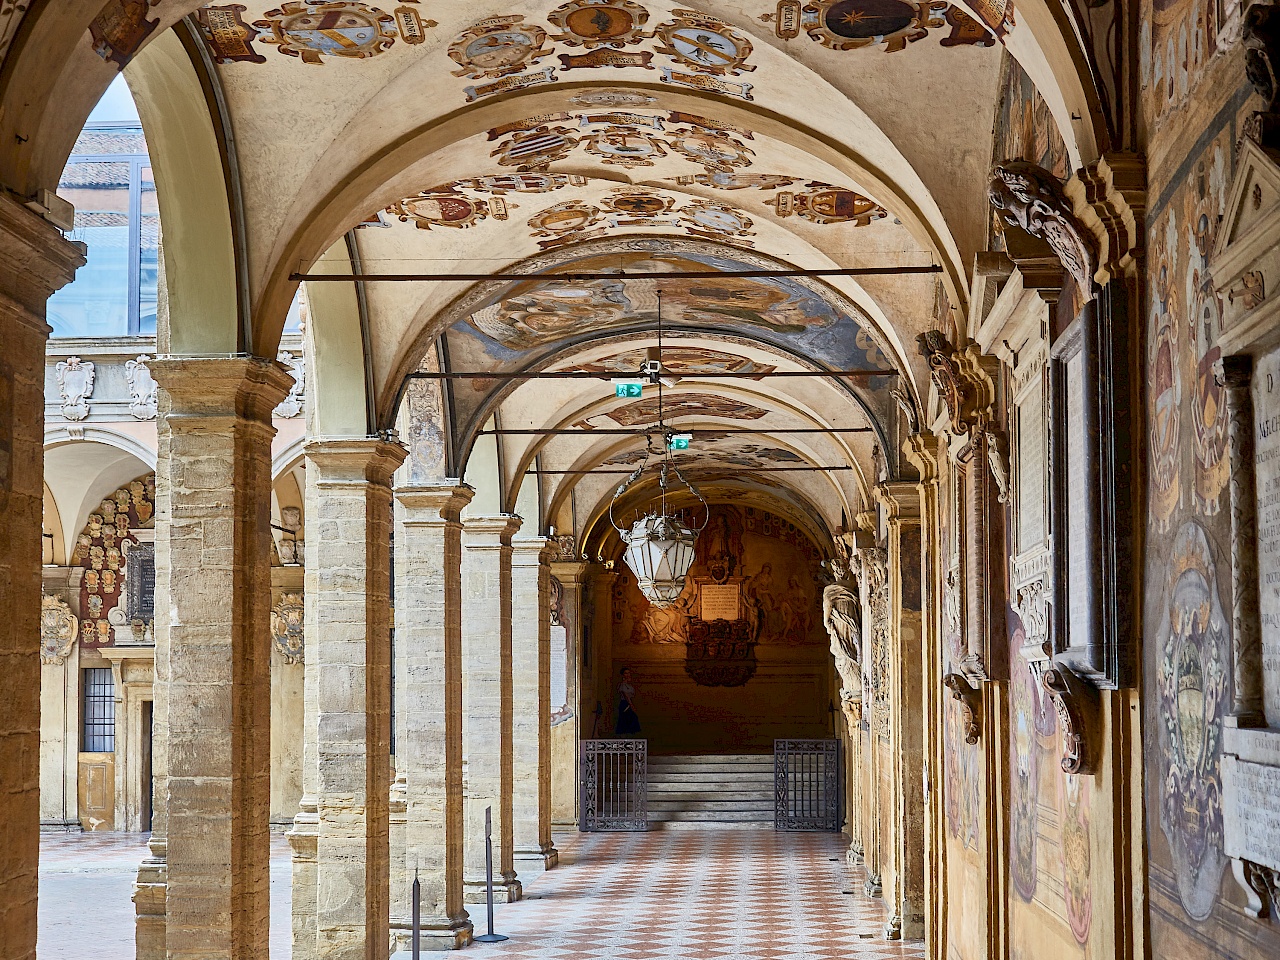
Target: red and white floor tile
<point>737,894</point>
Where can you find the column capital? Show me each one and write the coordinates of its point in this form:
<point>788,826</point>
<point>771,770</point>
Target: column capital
<point>434,501</point>
<point>249,387</point>
<point>35,259</point>
<point>570,571</point>
<point>495,531</point>
<point>530,551</point>
<point>348,459</point>
<point>901,499</point>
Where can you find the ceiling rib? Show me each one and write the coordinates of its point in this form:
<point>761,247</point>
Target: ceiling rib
<point>627,431</point>
<point>708,467</point>
<point>592,375</point>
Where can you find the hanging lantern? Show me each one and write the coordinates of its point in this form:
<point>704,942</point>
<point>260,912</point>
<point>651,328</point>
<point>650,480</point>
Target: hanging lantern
<point>659,546</point>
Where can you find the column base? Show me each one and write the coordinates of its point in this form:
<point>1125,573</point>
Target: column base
<point>61,826</point>
<point>435,934</point>
<point>504,891</point>
<point>547,857</point>
<point>893,929</point>
<point>873,886</point>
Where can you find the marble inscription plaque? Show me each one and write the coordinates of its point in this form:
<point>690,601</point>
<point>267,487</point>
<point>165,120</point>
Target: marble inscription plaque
<point>1077,488</point>
<point>1251,811</point>
<point>1031,472</point>
<point>719,601</point>
<point>1266,410</point>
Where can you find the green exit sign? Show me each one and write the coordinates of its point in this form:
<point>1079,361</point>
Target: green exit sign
<point>679,441</point>
<point>628,389</point>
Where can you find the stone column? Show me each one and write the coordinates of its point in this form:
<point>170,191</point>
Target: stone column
<point>213,587</point>
<point>34,262</point>
<point>487,702</point>
<point>348,600</point>
<point>429,711</point>
<point>565,735</point>
<point>903,850</point>
<point>531,701</point>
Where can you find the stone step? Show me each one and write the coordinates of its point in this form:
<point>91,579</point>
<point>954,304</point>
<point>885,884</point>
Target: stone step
<point>719,816</point>
<point>710,806</point>
<point>710,770</point>
<point>727,792</point>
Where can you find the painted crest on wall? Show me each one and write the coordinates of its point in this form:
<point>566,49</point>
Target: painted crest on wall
<point>119,31</point>
<point>498,47</point>
<point>599,23</point>
<point>1191,669</point>
<point>823,203</point>
<point>1164,377</point>
<point>535,149</point>
<point>313,31</point>
<point>228,36</point>
<point>704,44</point>
<point>446,210</point>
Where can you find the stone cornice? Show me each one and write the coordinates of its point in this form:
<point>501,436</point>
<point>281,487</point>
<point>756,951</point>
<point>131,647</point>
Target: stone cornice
<point>479,533</point>
<point>445,500</point>
<point>200,387</point>
<point>354,459</point>
<point>35,259</point>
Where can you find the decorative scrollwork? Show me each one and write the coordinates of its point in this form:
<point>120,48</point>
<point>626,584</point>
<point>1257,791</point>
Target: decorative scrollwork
<point>58,629</point>
<point>1030,197</point>
<point>970,700</point>
<point>1078,705</point>
<point>287,627</point>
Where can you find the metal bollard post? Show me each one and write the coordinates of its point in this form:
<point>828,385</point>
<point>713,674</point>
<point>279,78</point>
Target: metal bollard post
<point>417,916</point>
<point>489,937</point>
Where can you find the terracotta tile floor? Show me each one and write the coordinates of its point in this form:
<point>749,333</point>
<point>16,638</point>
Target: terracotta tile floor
<point>738,894</point>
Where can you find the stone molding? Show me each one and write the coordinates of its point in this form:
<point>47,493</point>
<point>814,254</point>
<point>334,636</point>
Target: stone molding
<point>1109,199</point>
<point>197,388</point>
<point>490,533</point>
<point>355,460</point>
<point>1079,707</point>
<point>445,500</point>
<point>35,261</point>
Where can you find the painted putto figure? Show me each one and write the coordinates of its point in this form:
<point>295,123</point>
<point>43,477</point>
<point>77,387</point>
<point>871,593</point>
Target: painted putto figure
<point>842,616</point>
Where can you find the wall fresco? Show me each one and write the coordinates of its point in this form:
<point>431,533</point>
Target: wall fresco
<point>101,550</point>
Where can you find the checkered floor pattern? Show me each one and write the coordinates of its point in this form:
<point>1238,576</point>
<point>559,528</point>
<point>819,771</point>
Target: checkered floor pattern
<point>737,894</point>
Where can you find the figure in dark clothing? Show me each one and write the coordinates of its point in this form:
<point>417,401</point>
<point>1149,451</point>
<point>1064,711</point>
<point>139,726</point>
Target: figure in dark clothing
<point>628,720</point>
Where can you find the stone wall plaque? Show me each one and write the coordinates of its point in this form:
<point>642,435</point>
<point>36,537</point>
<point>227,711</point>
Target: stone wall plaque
<point>1076,487</point>
<point>1266,406</point>
<point>1032,470</point>
<point>719,601</point>
<point>140,582</point>
<point>1251,811</point>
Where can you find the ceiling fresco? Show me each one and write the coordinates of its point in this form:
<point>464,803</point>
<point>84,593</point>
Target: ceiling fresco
<point>682,361</point>
<point>510,51</point>
<point>645,412</point>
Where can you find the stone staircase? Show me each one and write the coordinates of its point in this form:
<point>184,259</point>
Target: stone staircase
<point>731,790</point>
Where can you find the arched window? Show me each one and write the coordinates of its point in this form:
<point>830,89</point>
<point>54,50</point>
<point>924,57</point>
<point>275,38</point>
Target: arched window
<point>109,180</point>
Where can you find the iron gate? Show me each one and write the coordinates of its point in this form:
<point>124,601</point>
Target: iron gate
<point>615,785</point>
<point>807,785</point>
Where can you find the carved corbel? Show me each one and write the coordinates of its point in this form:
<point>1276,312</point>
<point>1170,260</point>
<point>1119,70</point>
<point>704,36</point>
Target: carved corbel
<point>1261,886</point>
<point>1261,39</point>
<point>1079,707</point>
<point>962,380</point>
<point>970,700</point>
<point>1029,197</point>
<point>1109,199</point>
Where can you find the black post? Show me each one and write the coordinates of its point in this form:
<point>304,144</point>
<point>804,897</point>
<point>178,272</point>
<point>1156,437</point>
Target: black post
<point>417,916</point>
<point>489,937</point>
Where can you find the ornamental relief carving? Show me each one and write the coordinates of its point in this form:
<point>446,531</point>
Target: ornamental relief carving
<point>1028,196</point>
<point>58,629</point>
<point>287,619</point>
<point>75,384</point>
<point>143,389</point>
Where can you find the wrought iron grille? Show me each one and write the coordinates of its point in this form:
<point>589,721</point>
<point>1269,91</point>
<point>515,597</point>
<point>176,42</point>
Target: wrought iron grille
<point>98,734</point>
<point>807,785</point>
<point>614,785</point>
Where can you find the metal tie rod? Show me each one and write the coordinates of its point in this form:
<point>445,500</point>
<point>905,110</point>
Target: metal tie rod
<point>594,375</point>
<point>625,431</point>
<point>616,275</point>
<point>702,466</point>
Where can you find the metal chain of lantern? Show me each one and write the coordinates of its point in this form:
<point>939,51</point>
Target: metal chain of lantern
<point>660,547</point>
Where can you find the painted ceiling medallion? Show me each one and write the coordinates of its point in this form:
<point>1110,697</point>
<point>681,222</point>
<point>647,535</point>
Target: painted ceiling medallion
<point>533,150</point>
<point>564,218</point>
<point>312,31</point>
<point>447,210</point>
<point>849,24</point>
<point>638,203</point>
<point>599,23</point>
<point>716,221</point>
<point>713,150</point>
<point>704,44</point>
<point>624,146</point>
<point>521,183</point>
<point>823,203</point>
<point>723,180</point>
<point>497,47</point>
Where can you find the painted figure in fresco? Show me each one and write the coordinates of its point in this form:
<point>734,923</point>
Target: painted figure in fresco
<point>628,724</point>
<point>842,616</point>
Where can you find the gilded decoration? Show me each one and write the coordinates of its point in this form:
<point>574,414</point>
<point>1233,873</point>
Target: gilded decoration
<point>58,629</point>
<point>1191,700</point>
<point>704,44</point>
<point>313,31</point>
<point>99,550</point>
<point>498,47</point>
<point>287,618</point>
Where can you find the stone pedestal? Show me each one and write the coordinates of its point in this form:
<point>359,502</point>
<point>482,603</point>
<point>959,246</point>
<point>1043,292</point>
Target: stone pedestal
<point>487,703</point>
<point>428,652</point>
<point>531,703</point>
<point>213,587</point>
<point>34,262</point>
<point>347,601</point>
